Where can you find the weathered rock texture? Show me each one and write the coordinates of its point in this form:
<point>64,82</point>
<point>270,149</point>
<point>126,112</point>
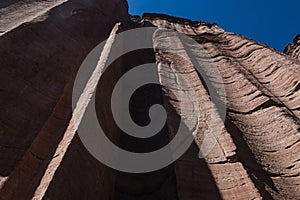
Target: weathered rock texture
<point>43,43</point>
<point>39,62</point>
<point>294,49</point>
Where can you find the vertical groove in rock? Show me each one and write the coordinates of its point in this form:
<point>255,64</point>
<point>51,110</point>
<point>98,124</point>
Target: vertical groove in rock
<point>160,184</point>
<point>182,84</point>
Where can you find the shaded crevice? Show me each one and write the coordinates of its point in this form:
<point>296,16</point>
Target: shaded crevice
<point>297,88</point>
<point>160,184</point>
<point>260,177</point>
<point>194,178</point>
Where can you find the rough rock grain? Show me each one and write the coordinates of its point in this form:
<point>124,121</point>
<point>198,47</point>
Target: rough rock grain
<point>257,154</point>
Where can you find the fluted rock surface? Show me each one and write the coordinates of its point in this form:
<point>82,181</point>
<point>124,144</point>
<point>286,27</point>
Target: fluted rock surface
<point>263,101</point>
<point>257,154</point>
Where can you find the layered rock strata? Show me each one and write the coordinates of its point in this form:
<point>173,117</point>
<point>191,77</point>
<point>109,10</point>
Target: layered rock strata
<point>256,155</point>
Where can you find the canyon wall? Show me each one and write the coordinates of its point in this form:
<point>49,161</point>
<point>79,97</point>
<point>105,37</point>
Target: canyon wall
<point>257,152</point>
<point>42,46</point>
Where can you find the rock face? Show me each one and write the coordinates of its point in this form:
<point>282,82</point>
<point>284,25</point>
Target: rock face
<point>294,49</point>
<point>39,62</point>
<point>257,155</point>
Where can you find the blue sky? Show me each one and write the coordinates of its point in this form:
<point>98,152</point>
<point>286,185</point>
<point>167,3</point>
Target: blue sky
<point>274,23</point>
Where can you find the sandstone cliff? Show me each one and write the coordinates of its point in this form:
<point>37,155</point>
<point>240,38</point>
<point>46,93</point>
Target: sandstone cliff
<point>257,155</point>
